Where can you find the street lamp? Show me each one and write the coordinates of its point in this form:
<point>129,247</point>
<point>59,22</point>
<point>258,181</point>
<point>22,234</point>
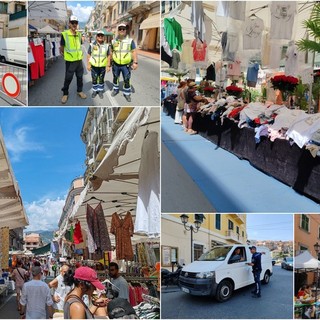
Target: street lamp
<point>194,229</point>
<point>316,247</point>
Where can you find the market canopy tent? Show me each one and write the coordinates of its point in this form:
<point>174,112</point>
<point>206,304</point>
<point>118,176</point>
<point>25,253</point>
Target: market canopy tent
<point>47,30</point>
<point>12,213</point>
<point>306,261</point>
<point>115,182</point>
<point>47,10</point>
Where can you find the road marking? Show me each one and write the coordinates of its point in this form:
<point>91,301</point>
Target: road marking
<point>112,99</point>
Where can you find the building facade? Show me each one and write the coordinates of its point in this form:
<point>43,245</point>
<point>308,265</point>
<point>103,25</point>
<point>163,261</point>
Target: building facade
<point>142,18</point>
<point>216,229</point>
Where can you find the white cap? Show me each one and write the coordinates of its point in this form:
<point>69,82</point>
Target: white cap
<point>73,18</point>
<point>122,25</point>
<point>100,32</point>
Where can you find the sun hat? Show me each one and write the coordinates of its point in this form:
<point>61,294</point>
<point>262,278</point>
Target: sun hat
<point>88,274</point>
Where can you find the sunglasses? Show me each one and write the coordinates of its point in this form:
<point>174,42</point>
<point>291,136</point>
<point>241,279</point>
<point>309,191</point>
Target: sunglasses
<point>74,22</point>
<point>122,29</point>
<point>100,35</point>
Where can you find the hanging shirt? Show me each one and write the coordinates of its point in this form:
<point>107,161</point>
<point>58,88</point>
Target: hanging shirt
<point>252,33</point>
<point>187,52</point>
<point>77,235</point>
<point>173,33</point>
<point>197,18</point>
<point>211,72</point>
<point>282,19</point>
<point>231,48</point>
<point>291,63</point>
<point>234,68</point>
<point>199,50</point>
<point>232,9</point>
<point>252,72</point>
<point>148,203</point>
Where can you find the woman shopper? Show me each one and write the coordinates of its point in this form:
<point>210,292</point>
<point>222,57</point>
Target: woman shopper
<point>181,100</point>
<point>85,281</point>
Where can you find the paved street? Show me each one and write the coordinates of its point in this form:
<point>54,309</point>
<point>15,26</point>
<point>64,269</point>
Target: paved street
<point>276,302</point>
<point>145,84</point>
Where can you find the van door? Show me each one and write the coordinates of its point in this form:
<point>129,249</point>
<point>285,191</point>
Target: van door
<point>237,269</point>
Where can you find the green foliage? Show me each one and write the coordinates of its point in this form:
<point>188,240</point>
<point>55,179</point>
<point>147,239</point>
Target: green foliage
<point>255,95</point>
<point>299,94</point>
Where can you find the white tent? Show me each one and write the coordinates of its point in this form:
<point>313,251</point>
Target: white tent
<point>306,261</point>
<point>47,30</point>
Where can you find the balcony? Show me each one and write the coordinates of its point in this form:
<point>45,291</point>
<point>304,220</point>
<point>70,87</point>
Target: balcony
<point>18,15</point>
<point>234,237</point>
<point>239,218</point>
<point>139,7</point>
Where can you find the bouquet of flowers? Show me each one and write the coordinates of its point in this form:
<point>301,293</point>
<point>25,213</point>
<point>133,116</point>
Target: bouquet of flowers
<point>234,91</point>
<point>207,91</point>
<point>284,83</point>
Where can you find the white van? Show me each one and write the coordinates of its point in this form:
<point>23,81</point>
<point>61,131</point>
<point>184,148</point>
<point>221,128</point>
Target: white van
<point>14,50</point>
<point>216,273</point>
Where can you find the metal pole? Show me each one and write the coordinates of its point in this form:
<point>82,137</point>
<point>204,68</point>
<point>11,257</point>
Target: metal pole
<point>191,230</point>
<point>311,83</point>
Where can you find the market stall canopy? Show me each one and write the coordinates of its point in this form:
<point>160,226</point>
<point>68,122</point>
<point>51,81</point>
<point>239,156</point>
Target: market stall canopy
<point>115,182</point>
<point>122,160</point>
<point>47,29</point>
<point>306,261</point>
<point>12,213</point>
<point>153,21</point>
<point>47,10</point>
<point>41,250</point>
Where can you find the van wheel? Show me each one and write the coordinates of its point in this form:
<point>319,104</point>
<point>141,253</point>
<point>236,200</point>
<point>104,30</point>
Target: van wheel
<point>266,278</point>
<point>224,291</point>
<point>2,59</point>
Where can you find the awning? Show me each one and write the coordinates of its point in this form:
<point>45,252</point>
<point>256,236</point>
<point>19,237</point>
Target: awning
<point>47,10</point>
<point>42,250</point>
<point>153,21</point>
<point>47,30</point>
<point>122,160</point>
<point>12,213</point>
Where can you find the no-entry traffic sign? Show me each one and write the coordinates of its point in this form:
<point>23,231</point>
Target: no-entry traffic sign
<point>11,85</point>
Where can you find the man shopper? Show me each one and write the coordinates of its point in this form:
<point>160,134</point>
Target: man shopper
<point>119,283</point>
<point>256,270</point>
<point>71,49</point>
<point>97,63</point>
<point>124,57</point>
<point>19,276</point>
<point>36,297</point>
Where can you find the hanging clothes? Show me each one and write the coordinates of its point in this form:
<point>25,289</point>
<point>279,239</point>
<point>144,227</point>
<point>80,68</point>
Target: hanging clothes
<point>282,19</point>
<point>77,235</point>
<point>148,203</point>
<point>252,75</point>
<point>197,19</point>
<point>232,9</point>
<point>98,227</point>
<point>123,230</point>
<point>252,33</point>
<point>199,50</point>
<point>211,72</point>
<point>187,52</point>
<point>291,63</point>
<point>173,33</point>
<point>37,68</point>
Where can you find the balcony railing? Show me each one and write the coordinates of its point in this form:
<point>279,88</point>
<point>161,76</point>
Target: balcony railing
<point>234,237</point>
<point>18,15</point>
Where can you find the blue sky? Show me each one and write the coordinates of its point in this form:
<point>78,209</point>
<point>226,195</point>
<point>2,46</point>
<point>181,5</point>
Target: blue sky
<point>270,226</point>
<point>46,153</point>
<point>81,9</point>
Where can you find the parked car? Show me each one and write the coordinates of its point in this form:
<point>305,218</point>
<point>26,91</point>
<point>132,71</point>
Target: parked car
<point>218,274</point>
<point>274,261</point>
<point>287,263</point>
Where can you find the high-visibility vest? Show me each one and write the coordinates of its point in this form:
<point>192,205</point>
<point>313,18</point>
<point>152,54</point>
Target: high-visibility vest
<point>72,48</point>
<point>121,51</point>
<point>99,55</point>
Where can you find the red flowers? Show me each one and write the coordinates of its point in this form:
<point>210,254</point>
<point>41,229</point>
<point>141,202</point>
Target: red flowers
<point>284,83</point>
<point>211,89</point>
<point>234,91</point>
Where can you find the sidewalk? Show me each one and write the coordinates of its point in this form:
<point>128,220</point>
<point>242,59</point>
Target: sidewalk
<point>8,307</point>
<point>229,184</point>
<point>149,54</point>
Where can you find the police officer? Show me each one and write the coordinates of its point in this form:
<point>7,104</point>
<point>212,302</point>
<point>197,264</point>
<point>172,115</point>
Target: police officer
<point>256,270</point>
<point>123,55</point>
<point>70,48</point>
<point>97,63</point>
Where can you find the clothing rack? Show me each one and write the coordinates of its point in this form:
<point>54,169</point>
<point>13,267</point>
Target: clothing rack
<point>150,299</point>
<point>140,279</point>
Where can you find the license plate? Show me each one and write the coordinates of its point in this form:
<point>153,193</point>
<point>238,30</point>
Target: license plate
<point>185,290</point>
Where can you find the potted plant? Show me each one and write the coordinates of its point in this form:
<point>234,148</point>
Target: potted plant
<point>234,91</point>
<point>286,84</point>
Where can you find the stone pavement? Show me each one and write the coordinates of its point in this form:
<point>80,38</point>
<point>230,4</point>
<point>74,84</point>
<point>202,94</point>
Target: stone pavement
<point>8,307</point>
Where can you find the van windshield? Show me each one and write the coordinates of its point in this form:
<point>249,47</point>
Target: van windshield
<point>216,254</point>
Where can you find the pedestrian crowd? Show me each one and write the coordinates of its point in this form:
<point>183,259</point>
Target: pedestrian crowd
<point>120,56</point>
<point>75,292</point>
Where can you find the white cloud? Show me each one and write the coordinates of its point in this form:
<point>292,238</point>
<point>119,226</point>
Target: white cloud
<point>81,12</point>
<point>20,142</point>
<point>44,214</point>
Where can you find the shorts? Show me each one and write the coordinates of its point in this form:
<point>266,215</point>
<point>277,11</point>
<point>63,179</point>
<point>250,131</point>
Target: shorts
<point>18,289</point>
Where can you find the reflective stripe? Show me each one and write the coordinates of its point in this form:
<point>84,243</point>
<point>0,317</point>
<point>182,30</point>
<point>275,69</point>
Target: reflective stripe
<point>121,53</point>
<point>99,57</point>
<point>72,49</point>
